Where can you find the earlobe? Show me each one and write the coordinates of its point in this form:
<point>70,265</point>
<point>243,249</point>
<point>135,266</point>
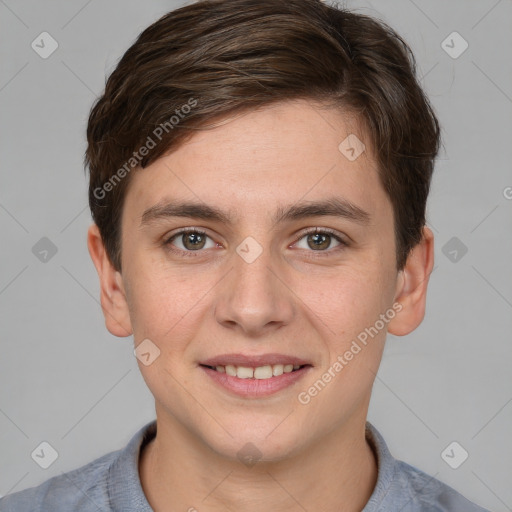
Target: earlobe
<point>412,286</point>
<point>112,293</point>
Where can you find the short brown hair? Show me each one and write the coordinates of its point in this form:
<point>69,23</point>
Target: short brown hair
<point>214,58</point>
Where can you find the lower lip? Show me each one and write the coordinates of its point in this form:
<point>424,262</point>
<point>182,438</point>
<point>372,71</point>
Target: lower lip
<point>256,387</point>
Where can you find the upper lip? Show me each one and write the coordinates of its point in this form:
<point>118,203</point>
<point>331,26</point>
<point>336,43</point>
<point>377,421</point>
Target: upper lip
<point>253,361</point>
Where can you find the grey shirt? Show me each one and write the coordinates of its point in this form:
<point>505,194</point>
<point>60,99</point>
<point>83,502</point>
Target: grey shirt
<point>112,483</point>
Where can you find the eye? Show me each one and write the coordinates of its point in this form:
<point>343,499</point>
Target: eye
<point>188,241</point>
<point>191,240</point>
<point>320,240</point>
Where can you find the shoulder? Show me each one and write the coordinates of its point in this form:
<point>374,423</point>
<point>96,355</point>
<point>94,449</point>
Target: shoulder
<point>403,487</point>
<point>83,489</point>
<point>426,493</point>
<point>107,483</point>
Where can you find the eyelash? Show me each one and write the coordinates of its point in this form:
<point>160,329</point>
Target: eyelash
<point>316,231</point>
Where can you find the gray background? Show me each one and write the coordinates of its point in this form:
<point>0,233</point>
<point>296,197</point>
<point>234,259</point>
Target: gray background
<point>65,380</point>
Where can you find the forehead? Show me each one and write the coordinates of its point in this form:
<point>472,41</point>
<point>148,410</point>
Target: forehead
<point>264,159</point>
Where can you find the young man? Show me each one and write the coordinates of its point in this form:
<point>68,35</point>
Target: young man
<point>258,178</point>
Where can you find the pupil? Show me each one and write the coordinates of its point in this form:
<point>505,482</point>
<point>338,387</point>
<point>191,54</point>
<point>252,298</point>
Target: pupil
<point>319,241</point>
<point>194,239</point>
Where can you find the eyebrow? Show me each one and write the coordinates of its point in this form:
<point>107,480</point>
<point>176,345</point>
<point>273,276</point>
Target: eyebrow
<point>335,207</point>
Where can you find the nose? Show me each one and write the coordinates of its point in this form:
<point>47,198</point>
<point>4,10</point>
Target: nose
<point>254,297</point>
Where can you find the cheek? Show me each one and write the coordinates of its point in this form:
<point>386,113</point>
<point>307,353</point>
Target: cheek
<point>347,301</point>
<point>165,303</point>
<point>354,335</point>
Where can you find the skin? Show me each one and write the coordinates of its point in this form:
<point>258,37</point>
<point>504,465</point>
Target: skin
<point>293,299</point>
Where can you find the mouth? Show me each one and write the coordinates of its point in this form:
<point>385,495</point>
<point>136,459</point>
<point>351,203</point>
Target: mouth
<point>255,376</point>
<point>263,372</point>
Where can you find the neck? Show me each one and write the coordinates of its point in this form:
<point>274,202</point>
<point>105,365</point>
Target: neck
<point>337,473</point>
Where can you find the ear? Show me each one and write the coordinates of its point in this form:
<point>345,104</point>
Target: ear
<point>412,282</point>
<point>113,297</point>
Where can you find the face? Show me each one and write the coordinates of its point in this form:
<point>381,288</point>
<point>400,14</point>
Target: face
<point>259,244</point>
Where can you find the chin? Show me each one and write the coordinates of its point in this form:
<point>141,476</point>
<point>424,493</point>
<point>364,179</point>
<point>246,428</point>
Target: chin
<point>261,443</point>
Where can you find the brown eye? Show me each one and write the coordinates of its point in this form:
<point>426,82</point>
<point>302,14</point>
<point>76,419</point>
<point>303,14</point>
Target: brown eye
<point>190,241</point>
<point>193,241</point>
<point>319,241</point>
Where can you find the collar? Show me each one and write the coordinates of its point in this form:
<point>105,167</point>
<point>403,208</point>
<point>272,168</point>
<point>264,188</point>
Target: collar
<point>126,494</point>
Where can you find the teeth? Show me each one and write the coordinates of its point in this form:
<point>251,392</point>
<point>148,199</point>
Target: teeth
<point>261,372</point>
<point>231,370</point>
<point>277,370</point>
<point>243,372</point>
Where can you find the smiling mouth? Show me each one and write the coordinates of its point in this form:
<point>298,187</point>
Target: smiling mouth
<point>260,372</point>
